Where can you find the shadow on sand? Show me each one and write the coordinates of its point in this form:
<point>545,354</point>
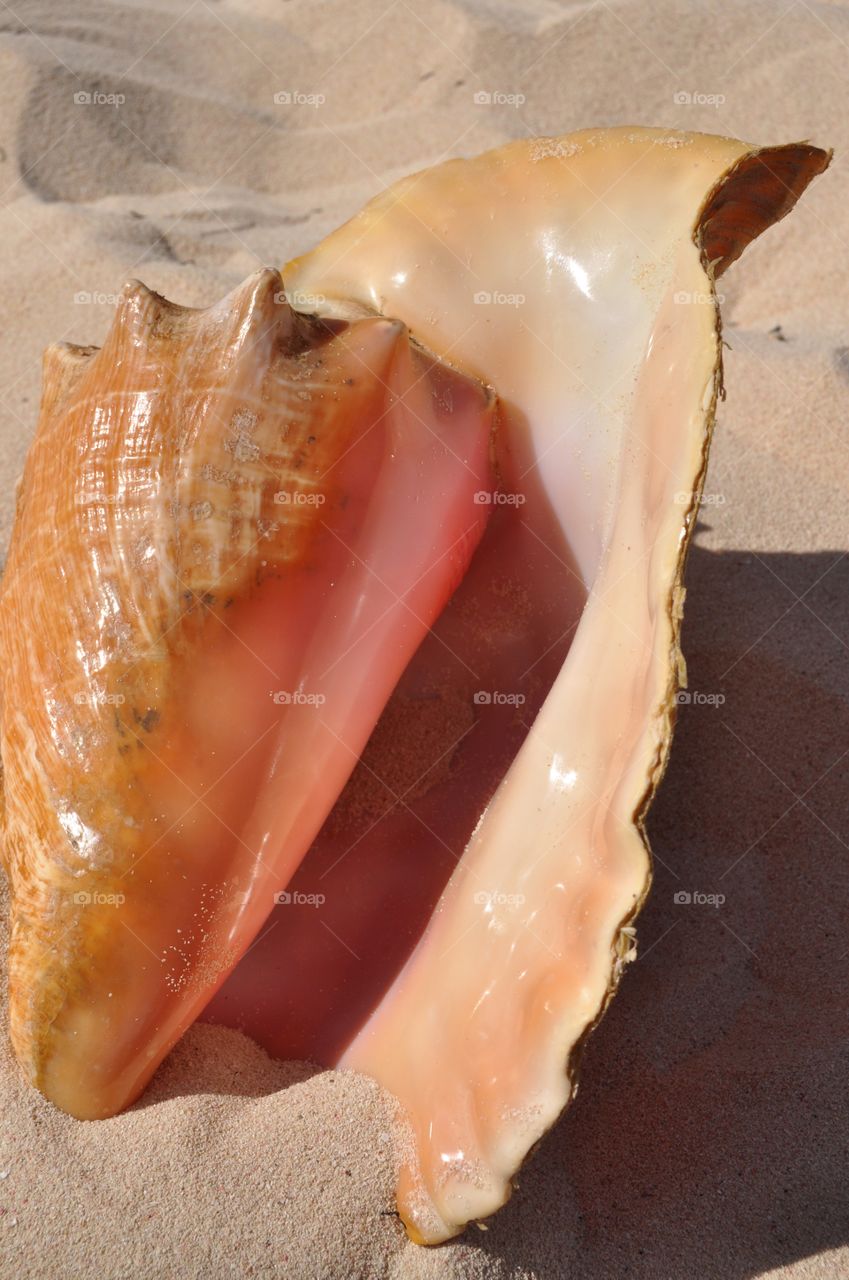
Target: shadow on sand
<point>710,1135</point>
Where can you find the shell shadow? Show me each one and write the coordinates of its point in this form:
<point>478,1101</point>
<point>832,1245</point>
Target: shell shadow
<point>709,1137</point>
<point>210,1061</point>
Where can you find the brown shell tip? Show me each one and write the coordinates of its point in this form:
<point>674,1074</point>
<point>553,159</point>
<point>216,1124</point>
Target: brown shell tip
<point>760,189</point>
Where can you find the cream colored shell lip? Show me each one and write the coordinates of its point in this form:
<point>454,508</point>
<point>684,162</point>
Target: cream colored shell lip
<point>573,276</point>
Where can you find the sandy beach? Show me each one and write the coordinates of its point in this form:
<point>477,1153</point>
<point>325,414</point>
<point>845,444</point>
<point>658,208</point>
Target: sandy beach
<point>186,144</point>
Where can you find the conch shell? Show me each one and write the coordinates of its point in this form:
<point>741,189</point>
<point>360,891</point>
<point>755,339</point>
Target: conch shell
<point>458,939</point>
<point>205,607</point>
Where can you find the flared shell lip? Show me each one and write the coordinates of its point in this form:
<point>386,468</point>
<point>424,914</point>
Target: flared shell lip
<point>752,162</point>
<point>742,173</point>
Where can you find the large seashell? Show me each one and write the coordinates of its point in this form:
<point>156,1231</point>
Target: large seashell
<point>206,536</point>
<point>476,923</point>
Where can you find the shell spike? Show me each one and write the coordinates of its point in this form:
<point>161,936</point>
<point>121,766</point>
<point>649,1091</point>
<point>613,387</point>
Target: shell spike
<point>63,366</point>
<point>256,309</point>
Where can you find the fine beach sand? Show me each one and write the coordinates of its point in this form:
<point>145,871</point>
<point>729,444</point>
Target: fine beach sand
<point>710,1135</point>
